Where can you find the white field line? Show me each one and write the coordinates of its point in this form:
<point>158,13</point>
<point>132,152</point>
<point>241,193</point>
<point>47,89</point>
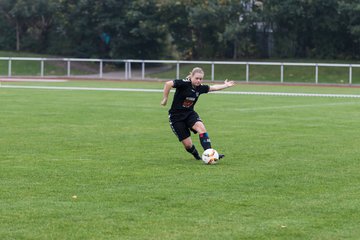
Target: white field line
<point>293,94</point>
<point>294,106</point>
<point>160,91</point>
<point>83,88</point>
<point>31,80</point>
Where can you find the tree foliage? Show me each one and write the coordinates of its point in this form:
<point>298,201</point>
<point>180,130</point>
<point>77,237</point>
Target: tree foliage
<point>29,19</point>
<point>188,29</point>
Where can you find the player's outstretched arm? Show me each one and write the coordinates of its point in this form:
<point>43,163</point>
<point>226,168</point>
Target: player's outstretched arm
<point>218,87</point>
<point>167,87</point>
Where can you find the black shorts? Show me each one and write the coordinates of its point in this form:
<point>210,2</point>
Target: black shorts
<point>181,123</point>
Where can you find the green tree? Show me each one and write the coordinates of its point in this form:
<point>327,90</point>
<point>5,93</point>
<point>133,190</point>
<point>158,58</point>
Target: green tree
<point>30,19</point>
<point>350,23</point>
<point>240,28</point>
<point>112,28</point>
<point>40,24</point>
<point>196,29</point>
<point>195,26</point>
<point>7,34</point>
<point>17,13</point>
<point>138,33</point>
<point>324,23</point>
<point>175,15</point>
<point>310,28</point>
<point>288,18</point>
<point>76,32</point>
<point>205,24</point>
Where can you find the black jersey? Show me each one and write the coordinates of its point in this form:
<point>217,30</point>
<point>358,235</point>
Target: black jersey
<point>186,96</point>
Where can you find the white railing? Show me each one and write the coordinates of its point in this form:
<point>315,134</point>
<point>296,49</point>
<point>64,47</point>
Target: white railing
<point>128,64</point>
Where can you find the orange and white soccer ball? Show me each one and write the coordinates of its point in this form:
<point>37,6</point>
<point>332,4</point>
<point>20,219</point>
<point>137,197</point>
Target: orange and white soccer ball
<point>210,156</point>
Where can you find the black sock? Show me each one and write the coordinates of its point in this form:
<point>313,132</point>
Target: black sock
<point>205,140</point>
<point>194,152</point>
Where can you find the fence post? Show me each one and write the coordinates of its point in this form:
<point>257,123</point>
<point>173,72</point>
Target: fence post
<point>212,71</point>
<point>177,70</point>
<point>143,70</point>
<point>282,73</point>
<point>126,70</point>
<point>129,68</point>
<point>42,68</point>
<point>101,68</point>
<point>68,68</point>
<point>316,74</point>
<point>9,68</point>
<point>247,72</point>
<point>350,74</point>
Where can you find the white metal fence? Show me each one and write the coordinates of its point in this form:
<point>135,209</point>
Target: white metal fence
<point>127,73</point>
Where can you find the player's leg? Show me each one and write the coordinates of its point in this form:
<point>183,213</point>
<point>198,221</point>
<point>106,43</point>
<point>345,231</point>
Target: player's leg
<point>194,122</point>
<point>190,148</point>
<point>205,141</point>
<point>204,136</point>
<point>183,133</point>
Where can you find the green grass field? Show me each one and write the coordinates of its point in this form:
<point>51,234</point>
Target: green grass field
<point>291,169</point>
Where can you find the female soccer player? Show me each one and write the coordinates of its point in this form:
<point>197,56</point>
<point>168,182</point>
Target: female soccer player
<point>182,116</point>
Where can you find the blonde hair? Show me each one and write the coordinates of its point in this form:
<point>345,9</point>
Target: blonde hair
<point>195,70</point>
